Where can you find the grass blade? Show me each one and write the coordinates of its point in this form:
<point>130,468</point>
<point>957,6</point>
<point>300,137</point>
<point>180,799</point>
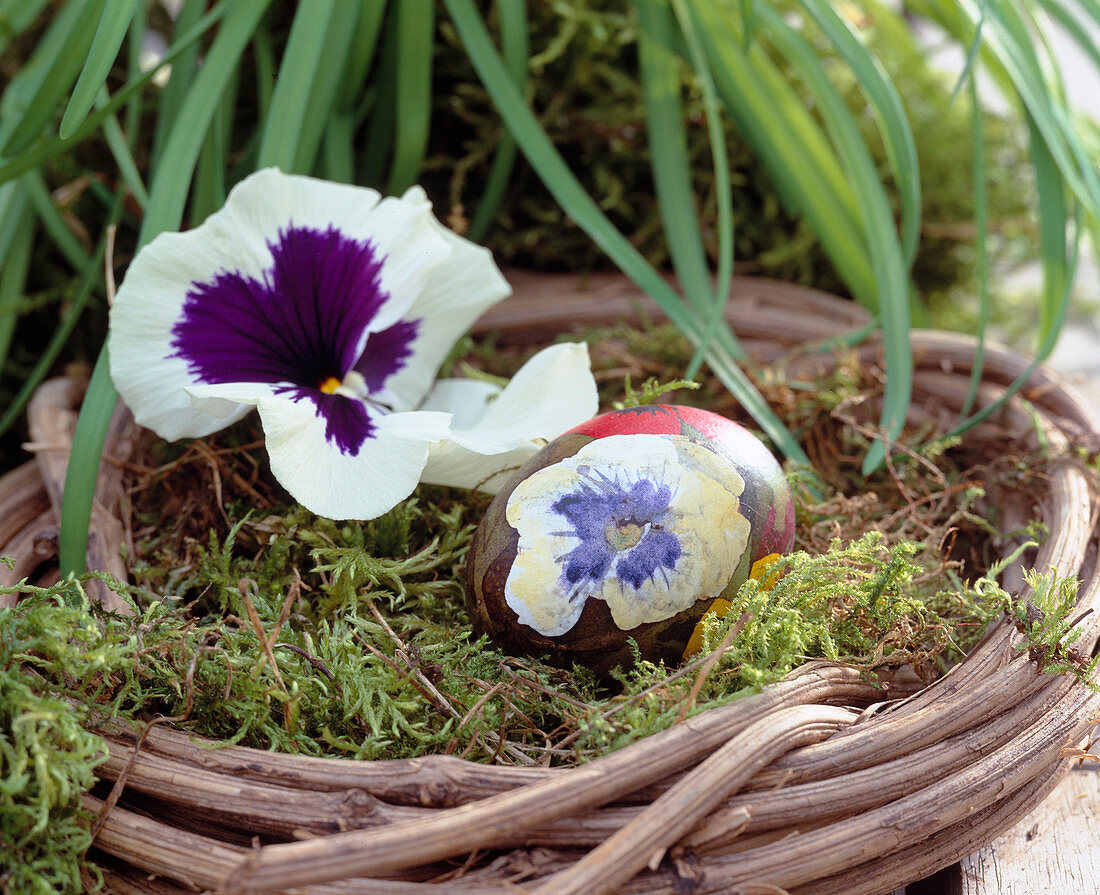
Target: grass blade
<point>723,195</point>
<point>109,34</point>
<point>897,136</point>
<point>13,280</point>
<point>302,60</point>
<point>120,151</point>
<point>49,75</point>
<point>63,238</point>
<point>668,151</point>
<point>415,25</point>
<point>184,66</point>
<point>789,143</point>
<point>887,257</point>
<point>329,79</point>
<point>514,45</point>
<point>981,226</point>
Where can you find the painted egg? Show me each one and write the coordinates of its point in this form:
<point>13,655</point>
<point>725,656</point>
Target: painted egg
<point>630,526</point>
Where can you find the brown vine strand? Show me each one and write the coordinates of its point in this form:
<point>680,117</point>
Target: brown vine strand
<point>459,830</point>
<point>659,826</point>
<point>830,849</point>
<point>941,849</point>
<point>444,781</point>
<point>242,805</point>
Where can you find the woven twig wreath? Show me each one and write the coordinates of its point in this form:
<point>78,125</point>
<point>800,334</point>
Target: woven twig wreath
<point>819,784</point>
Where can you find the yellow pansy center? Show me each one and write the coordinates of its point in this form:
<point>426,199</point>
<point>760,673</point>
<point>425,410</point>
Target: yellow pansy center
<point>330,385</point>
<point>623,535</point>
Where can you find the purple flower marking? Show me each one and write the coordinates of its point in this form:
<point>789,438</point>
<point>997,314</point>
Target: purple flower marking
<point>301,324</point>
<point>616,521</point>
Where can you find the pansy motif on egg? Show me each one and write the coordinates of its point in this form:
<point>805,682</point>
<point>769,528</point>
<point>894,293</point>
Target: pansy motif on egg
<point>645,523</point>
<point>621,534</point>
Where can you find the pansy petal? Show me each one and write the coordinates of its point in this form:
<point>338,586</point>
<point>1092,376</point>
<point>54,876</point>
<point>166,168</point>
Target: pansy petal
<point>337,484</point>
<point>459,291</point>
<point>495,431</point>
<point>649,524</point>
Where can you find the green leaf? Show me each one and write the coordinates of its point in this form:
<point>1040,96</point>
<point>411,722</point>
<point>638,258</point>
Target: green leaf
<point>897,136</point>
<point>51,148</point>
<point>668,151</point>
<point>514,45</point>
<point>887,257</point>
<point>13,278</point>
<point>37,91</point>
<point>414,38</point>
<point>304,57</point>
<point>109,34</point>
<point>981,226</point>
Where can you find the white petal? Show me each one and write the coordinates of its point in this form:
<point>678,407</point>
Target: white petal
<point>459,291</point>
<point>494,431</point>
<point>331,483</point>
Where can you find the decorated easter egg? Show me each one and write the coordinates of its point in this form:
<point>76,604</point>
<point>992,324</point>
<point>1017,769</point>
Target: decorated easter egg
<point>629,527</point>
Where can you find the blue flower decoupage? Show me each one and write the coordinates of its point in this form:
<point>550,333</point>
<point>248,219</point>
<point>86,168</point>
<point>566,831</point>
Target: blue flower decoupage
<point>649,524</point>
<point>330,310</point>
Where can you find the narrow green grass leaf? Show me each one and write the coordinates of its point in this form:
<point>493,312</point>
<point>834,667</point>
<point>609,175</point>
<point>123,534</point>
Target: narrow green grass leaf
<point>48,149</point>
<point>887,257</point>
<point>568,192</point>
<point>49,82</point>
<point>1043,351</point>
<point>184,67</point>
<point>981,226</point>
<point>167,197</point>
<point>13,280</point>
<point>971,55</point>
<point>83,470</point>
<point>897,135</point>
<point>60,336</point>
<point>790,145</point>
<point>668,151</point>
<point>13,202</point>
<point>1052,235</point>
<point>748,16</point>
<point>114,22</point>
<point>514,46</point>
<point>364,44</point>
<point>63,238</point>
<point>330,78</point>
<point>303,58</point>
<point>377,111</point>
<point>723,195</point>
<point>413,90</point>
<point>120,151</point>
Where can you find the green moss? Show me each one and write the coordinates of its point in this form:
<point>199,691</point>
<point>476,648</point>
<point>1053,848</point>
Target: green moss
<point>47,758</point>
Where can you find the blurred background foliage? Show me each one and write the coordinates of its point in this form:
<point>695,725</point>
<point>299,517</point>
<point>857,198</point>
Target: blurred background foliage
<point>799,139</point>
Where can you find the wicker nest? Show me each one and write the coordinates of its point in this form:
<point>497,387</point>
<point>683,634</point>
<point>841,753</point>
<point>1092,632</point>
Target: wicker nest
<point>820,784</point>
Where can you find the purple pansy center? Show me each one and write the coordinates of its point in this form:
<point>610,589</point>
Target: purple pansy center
<point>300,327</point>
<point>617,522</point>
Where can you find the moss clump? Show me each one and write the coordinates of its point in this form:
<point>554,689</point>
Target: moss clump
<point>47,758</point>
